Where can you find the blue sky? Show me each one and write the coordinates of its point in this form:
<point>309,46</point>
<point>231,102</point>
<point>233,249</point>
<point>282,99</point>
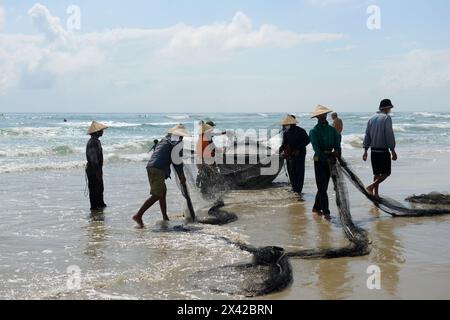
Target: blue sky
<point>220,56</point>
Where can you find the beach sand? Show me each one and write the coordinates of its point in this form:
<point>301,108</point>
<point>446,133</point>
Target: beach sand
<point>50,229</point>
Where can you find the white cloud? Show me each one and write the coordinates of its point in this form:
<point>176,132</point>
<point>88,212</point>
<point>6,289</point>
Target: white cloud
<point>55,52</point>
<point>417,69</point>
<point>2,17</point>
<point>46,23</point>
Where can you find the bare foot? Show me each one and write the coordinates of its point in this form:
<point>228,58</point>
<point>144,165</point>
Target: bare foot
<point>139,221</point>
<point>317,211</point>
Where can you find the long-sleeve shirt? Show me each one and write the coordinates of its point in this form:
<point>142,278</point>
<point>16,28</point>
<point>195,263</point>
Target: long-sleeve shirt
<point>324,138</point>
<point>162,157</point>
<point>294,139</point>
<point>94,154</point>
<point>379,133</point>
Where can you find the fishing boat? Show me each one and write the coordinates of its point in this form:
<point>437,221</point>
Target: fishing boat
<point>249,165</point>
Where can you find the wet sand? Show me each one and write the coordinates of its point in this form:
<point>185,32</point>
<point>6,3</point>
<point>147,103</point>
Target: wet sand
<point>50,229</point>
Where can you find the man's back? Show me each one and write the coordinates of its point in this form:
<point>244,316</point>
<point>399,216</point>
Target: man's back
<point>379,132</point>
<point>338,125</point>
<point>296,138</point>
<point>162,156</point>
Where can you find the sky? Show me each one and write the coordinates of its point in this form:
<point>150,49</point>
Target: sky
<point>223,56</point>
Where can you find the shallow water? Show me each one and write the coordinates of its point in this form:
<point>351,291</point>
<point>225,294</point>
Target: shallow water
<point>46,228</point>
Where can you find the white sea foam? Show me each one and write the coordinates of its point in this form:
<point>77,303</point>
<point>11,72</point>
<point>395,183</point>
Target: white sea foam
<point>352,141</point>
<point>30,131</point>
<point>162,124</point>
<point>432,115</point>
<point>40,151</point>
<point>111,124</point>
<point>403,127</point>
<point>44,166</point>
<point>178,117</point>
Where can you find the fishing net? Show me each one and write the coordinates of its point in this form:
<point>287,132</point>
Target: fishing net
<point>269,272</point>
<point>247,164</point>
<point>215,214</point>
<point>433,198</point>
<point>358,238</point>
<point>390,206</point>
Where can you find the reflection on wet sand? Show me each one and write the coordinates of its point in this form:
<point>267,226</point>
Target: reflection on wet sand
<point>96,236</point>
<point>333,282</point>
<point>387,251</point>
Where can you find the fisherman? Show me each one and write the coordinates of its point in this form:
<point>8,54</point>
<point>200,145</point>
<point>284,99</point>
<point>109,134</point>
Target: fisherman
<point>338,124</point>
<point>380,139</point>
<point>94,167</point>
<point>206,153</point>
<point>168,152</point>
<point>293,149</point>
<point>206,149</point>
<point>155,143</point>
<point>326,143</point>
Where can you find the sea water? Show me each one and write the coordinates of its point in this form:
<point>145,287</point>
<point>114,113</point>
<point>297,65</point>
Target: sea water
<point>51,246</point>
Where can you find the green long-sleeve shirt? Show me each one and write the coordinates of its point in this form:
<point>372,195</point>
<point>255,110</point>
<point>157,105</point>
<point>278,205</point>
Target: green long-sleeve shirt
<point>324,138</point>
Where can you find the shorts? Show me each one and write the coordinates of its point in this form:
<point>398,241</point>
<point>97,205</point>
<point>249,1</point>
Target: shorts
<point>381,163</point>
<point>157,180</point>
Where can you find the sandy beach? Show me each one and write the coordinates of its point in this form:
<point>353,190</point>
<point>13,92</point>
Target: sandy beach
<point>50,229</point>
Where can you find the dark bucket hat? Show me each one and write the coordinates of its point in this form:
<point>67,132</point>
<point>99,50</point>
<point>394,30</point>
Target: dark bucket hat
<point>386,104</point>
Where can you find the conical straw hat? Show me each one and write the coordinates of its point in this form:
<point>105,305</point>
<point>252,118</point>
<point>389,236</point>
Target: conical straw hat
<point>289,120</point>
<point>320,110</point>
<point>96,127</point>
<point>203,128</point>
<point>179,130</point>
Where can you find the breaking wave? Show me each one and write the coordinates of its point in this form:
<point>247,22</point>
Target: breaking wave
<point>432,115</point>
<point>403,127</point>
<point>178,117</point>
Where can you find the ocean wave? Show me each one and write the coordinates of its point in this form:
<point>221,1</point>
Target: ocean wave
<point>432,115</point>
<point>178,117</point>
<point>139,146</point>
<point>40,151</point>
<point>403,127</point>
<point>45,166</point>
<point>161,124</point>
<point>352,141</point>
<point>140,157</point>
<point>30,131</point>
<point>110,124</point>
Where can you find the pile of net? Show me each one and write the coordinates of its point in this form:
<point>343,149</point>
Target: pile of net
<point>433,198</point>
<point>390,206</point>
<point>269,272</point>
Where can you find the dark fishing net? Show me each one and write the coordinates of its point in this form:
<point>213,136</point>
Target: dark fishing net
<point>218,216</point>
<point>358,238</point>
<point>390,206</point>
<point>434,198</point>
<point>269,272</point>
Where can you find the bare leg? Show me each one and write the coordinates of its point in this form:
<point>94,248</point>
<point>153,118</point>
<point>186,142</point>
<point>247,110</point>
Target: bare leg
<point>163,206</point>
<point>375,186</point>
<point>370,188</point>
<point>147,204</point>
